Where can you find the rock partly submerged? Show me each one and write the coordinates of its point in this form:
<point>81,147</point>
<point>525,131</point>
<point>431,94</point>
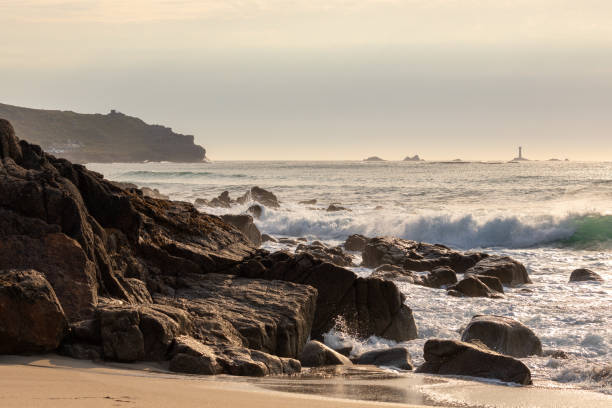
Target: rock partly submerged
<point>584,275</point>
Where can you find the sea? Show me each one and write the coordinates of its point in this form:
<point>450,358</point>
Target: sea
<point>553,216</point>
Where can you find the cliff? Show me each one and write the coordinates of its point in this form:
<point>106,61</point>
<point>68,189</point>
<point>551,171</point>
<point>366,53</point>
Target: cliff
<point>114,137</point>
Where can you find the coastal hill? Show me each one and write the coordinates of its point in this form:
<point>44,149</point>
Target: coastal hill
<point>113,137</point>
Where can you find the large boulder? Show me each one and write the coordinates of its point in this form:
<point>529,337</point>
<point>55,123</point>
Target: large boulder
<point>451,357</point>
<point>365,306</point>
<point>506,269</point>
<point>31,317</point>
<point>439,277</point>
<point>317,354</point>
<point>398,357</point>
<point>504,335</point>
<point>584,275</point>
<point>416,256</point>
<point>245,224</point>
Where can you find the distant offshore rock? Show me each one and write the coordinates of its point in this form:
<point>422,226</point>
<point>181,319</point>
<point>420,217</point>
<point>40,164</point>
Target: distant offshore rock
<point>414,158</point>
<point>114,137</point>
<point>373,159</point>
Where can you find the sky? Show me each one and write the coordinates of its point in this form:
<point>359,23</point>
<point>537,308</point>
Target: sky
<point>327,80</point>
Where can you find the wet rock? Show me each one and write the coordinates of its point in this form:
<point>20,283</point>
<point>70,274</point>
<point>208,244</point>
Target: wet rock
<point>308,202</point>
<point>439,277</point>
<point>582,275</point>
<point>491,281</point>
<point>332,255</point>
<point>222,201</point>
<point>471,287</point>
<point>263,197</point>
<point>450,357</point>
<point>356,242</point>
<point>31,317</point>
<point>334,208</point>
<point>507,270</point>
<point>398,357</point>
<point>245,224</point>
<point>192,357</point>
<point>255,210</point>
<point>317,354</point>
<point>268,238</point>
<point>288,241</point>
<point>504,335</point>
<point>416,256</point>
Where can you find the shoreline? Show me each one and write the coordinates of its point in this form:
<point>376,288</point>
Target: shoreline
<point>66,382</point>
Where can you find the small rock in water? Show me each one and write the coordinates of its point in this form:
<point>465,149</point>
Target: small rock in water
<point>308,202</point>
<point>472,287</point>
<point>334,208</point>
<point>585,275</point>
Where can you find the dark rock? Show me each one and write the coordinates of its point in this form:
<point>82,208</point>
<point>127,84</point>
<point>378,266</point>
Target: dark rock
<point>398,356</point>
<point>332,255</point>
<point>367,306</point>
<point>288,241</point>
<point>439,277</point>
<point>582,275</point>
<point>222,201</point>
<point>416,256</point>
<point>355,242</point>
<point>153,193</point>
<point>373,158</point>
<point>31,317</point>
<point>308,202</point>
<point>263,197</point>
<point>450,357</point>
<point>396,273</point>
<point>255,210</point>
<point>334,208</point>
<point>472,287</point>
<point>491,281</point>
<point>245,224</point>
<point>317,354</point>
<point>266,238</point>
<point>507,270</point>
<point>192,357</point>
<point>504,335</point>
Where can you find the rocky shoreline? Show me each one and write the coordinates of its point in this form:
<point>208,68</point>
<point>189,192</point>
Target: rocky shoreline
<point>105,271</point>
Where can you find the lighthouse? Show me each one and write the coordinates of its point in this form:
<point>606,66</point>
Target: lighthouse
<point>520,156</point>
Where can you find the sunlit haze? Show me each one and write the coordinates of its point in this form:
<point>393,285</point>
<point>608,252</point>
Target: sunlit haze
<point>326,80</point>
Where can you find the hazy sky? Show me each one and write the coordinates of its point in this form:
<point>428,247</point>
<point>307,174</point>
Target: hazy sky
<point>333,79</point>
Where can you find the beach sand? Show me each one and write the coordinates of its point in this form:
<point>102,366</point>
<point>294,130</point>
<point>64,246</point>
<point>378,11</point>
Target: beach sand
<point>54,381</point>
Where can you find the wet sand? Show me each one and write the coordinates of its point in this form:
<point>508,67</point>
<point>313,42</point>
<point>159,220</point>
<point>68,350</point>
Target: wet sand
<point>54,381</point>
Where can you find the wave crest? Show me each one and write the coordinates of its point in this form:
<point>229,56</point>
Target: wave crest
<point>583,231</point>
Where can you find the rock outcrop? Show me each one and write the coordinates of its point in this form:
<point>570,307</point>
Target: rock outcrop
<point>367,306</point>
<point>471,286</point>
<point>584,275</point>
<point>504,335</point>
<point>31,317</point>
<point>114,137</point>
<point>450,357</point>
<point>263,197</point>
<point>317,354</point>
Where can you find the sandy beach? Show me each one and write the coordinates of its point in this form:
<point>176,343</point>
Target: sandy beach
<point>54,381</point>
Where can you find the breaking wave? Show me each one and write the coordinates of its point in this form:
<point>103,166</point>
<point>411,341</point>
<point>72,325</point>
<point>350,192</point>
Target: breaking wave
<point>581,231</point>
